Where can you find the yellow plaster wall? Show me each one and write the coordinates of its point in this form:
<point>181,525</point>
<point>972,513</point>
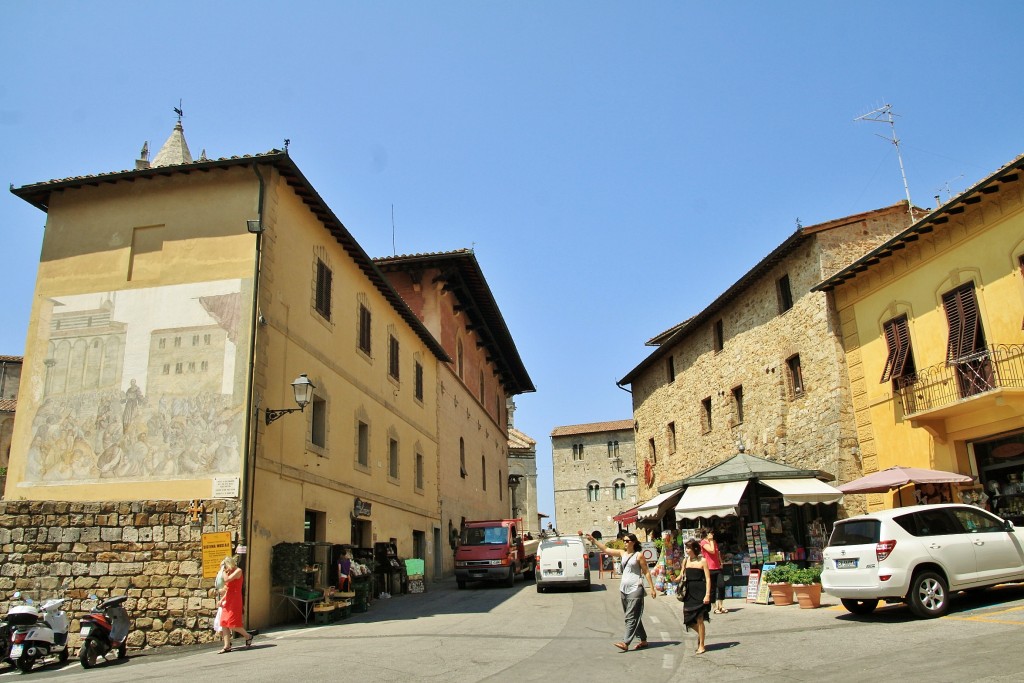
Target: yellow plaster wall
<point>982,244</point>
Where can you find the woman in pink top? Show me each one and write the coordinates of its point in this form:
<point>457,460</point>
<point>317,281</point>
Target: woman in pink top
<point>709,548</point>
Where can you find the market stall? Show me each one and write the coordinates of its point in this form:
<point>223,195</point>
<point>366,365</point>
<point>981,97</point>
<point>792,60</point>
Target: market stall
<point>761,511</point>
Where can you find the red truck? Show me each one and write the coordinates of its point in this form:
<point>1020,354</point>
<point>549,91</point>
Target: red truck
<point>493,550</point>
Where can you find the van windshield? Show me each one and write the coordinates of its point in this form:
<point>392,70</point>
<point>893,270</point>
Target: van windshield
<point>855,532</point>
<point>485,535</point>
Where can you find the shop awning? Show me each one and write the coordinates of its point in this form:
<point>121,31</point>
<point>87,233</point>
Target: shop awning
<point>804,491</point>
<point>655,507</point>
<point>626,518</point>
<point>711,500</point>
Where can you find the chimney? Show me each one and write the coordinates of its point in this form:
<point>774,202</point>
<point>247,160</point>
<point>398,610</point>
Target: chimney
<point>938,202</point>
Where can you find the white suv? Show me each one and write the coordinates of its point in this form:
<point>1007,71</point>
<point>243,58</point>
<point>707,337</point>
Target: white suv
<point>918,555</point>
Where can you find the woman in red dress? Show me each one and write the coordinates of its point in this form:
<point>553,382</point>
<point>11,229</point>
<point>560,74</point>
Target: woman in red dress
<point>231,605</point>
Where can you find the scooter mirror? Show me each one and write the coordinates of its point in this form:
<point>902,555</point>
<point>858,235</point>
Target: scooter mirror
<point>28,601</point>
<point>17,594</point>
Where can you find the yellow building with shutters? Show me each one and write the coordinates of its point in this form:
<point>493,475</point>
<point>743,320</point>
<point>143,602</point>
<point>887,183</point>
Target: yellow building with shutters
<point>931,322</point>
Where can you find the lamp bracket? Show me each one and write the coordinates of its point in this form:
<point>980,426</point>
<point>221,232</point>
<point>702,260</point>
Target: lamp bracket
<point>272,415</point>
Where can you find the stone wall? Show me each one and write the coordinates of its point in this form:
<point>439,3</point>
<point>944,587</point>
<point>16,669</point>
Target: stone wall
<point>147,550</point>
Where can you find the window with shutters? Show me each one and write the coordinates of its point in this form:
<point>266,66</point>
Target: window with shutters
<point>900,361</point>
<point>392,458</point>
<point>419,380</point>
<point>322,296</point>
<point>966,347</point>
<point>393,366</point>
<point>363,332</point>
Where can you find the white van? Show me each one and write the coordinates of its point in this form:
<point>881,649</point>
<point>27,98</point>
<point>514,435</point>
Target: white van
<point>562,561</point>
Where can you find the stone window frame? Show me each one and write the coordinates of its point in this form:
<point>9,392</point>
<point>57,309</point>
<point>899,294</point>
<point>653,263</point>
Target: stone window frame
<point>736,394</point>
<point>670,368</point>
<point>364,326</point>
<point>784,292</point>
<point>394,356</point>
<point>593,491</point>
<point>363,441</point>
<point>795,377</point>
<point>718,335</point>
<point>394,457</point>
<point>706,416</point>
<point>322,282</point>
<point>670,432</point>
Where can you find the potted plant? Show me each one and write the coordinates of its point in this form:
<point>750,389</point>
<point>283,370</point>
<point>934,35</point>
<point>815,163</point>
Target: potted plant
<point>780,583</point>
<point>807,586</point>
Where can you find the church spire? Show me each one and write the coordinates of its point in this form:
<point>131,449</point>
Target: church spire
<point>175,150</point>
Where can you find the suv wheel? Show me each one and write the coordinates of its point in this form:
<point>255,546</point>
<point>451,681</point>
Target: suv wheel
<point>860,606</point>
<point>929,595</point>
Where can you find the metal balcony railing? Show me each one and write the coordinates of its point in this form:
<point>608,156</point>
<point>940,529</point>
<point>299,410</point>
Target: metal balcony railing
<point>997,366</point>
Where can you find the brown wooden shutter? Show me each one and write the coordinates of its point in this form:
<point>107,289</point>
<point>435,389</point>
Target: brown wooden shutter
<point>964,323</point>
<point>897,338</point>
<point>891,341</point>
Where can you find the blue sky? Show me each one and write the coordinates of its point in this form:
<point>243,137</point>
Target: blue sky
<point>615,166</point>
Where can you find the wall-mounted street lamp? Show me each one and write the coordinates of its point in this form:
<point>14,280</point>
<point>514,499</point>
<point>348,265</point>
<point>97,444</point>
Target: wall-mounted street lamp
<point>303,389</point>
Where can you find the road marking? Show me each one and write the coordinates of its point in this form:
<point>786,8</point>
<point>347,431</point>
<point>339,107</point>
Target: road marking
<point>664,635</point>
<point>655,619</point>
<point>668,662</point>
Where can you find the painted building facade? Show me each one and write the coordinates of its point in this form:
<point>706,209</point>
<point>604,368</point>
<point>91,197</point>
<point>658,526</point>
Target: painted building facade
<point>10,380</point>
<point>932,324</point>
<point>761,369</point>
<point>594,472</point>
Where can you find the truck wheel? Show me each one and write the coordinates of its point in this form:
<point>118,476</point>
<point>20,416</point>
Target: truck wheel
<point>461,583</point>
<point>511,580</point>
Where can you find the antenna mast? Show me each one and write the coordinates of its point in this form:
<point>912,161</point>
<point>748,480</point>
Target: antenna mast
<point>884,115</point>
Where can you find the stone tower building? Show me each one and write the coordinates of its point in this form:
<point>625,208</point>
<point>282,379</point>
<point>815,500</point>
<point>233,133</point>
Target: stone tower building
<point>594,472</point>
<point>760,369</point>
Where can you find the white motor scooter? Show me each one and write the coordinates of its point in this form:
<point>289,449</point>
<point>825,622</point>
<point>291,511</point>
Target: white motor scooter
<point>38,632</point>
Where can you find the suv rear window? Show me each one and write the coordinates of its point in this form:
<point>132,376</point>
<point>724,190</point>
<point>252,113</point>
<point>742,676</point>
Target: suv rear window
<point>855,532</point>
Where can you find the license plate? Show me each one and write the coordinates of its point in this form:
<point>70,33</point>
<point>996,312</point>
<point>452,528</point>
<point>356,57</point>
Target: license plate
<point>15,651</point>
<point>846,564</point>
<point>553,572</point>
<point>85,630</point>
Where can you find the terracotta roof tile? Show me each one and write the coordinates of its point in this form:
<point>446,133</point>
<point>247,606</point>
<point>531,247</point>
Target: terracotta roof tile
<point>8,405</point>
<point>593,427</point>
<point>11,359</point>
<point>516,439</point>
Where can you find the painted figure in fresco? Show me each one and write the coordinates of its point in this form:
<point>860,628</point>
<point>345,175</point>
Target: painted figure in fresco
<point>132,399</point>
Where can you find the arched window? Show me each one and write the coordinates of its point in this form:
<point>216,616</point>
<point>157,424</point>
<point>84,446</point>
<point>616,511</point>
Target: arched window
<point>593,491</point>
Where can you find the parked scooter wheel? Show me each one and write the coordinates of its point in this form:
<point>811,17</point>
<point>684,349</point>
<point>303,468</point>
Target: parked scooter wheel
<point>87,654</point>
<point>64,655</point>
<point>25,663</point>
<point>122,650</point>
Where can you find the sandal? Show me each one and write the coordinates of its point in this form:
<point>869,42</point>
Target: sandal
<point>248,642</point>
<point>223,650</point>
<point>700,651</point>
<point>641,645</point>
<point>622,646</point>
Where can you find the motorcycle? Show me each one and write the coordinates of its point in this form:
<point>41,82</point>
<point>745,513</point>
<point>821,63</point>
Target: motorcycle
<point>104,629</point>
<point>5,641</point>
<point>38,632</point>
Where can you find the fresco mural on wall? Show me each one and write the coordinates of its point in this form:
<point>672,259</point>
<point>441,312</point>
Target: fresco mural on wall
<point>140,385</point>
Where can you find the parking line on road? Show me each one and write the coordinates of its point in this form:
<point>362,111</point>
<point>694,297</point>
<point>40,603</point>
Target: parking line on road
<point>655,619</point>
<point>668,662</point>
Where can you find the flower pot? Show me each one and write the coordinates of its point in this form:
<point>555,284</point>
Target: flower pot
<point>782,593</point>
<point>809,595</point>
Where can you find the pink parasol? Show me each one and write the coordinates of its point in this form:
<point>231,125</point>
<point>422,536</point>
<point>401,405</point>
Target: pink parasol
<point>895,477</point>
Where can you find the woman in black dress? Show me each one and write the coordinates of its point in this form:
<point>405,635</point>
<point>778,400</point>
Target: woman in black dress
<point>697,606</point>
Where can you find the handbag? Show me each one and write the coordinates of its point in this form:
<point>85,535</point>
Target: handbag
<point>681,586</point>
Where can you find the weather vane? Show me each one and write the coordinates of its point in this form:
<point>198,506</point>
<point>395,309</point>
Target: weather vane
<point>286,143</point>
<point>178,111</point>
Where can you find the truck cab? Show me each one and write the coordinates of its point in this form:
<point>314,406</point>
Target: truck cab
<point>493,550</point>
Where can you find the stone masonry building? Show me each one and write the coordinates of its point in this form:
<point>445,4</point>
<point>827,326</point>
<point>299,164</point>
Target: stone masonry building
<point>594,472</point>
<point>761,369</point>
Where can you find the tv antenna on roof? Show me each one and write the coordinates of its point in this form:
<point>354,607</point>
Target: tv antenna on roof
<point>884,115</point>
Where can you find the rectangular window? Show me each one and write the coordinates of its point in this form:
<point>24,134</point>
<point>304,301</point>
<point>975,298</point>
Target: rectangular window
<point>318,422</point>
<point>719,335</point>
<point>611,453</point>
<point>900,361</point>
<point>796,374</point>
<point>195,340</point>
<point>167,369</point>
<point>966,347</point>
<point>206,339</point>
<point>323,289</point>
<point>671,437</point>
<point>737,402</point>
<point>393,356</point>
<point>192,367</point>
<point>419,381</point>
<point>419,471</point>
<point>670,368</point>
<point>785,293</point>
<point>163,343</point>
<point>705,416</point>
<point>363,445</point>
<point>177,342</point>
<point>653,451</point>
<point>204,366</point>
<point>364,329</point>
<point>392,458</point>
<point>577,452</point>
<point>177,368</point>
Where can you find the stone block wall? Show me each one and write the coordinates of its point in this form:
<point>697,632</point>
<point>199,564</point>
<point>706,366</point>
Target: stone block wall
<point>148,550</point>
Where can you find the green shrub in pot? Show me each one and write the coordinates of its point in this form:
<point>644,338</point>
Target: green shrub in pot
<point>782,573</point>
<point>806,576</point>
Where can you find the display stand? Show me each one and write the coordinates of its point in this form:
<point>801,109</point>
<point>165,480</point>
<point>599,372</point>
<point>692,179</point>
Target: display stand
<point>601,568</point>
<point>304,606</point>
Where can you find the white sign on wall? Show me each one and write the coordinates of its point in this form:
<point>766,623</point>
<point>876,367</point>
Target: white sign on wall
<point>225,487</point>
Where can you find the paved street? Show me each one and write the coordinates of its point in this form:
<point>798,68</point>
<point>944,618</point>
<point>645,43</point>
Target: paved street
<point>496,634</point>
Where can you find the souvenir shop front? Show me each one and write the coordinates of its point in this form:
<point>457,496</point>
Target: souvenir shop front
<point>1000,467</point>
<point>761,512</point>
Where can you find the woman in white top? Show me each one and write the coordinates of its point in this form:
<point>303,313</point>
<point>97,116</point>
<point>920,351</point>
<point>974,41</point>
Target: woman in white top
<point>631,588</point>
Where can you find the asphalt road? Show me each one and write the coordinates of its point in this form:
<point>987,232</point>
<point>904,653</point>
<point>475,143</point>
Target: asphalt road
<point>491,633</point>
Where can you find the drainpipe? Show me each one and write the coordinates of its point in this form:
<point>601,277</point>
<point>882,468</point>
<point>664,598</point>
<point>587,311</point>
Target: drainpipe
<point>251,424</point>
